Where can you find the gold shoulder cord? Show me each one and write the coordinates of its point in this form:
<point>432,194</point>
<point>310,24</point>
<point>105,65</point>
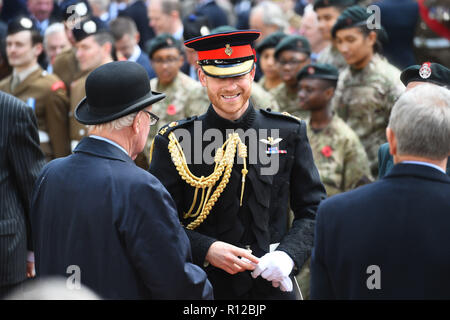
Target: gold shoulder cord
<point>224,160</point>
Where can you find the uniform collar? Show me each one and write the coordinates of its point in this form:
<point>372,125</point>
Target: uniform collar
<point>25,73</point>
<point>213,120</point>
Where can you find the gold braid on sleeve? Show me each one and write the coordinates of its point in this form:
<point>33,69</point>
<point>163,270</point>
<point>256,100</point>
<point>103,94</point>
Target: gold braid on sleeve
<point>224,160</point>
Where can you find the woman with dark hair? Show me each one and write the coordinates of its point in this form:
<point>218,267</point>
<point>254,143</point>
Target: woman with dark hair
<point>369,85</point>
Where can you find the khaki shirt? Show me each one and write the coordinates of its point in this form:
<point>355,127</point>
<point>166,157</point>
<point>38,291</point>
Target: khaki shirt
<point>46,94</point>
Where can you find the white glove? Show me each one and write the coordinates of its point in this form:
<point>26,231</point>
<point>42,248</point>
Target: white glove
<point>274,266</point>
<point>285,284</point>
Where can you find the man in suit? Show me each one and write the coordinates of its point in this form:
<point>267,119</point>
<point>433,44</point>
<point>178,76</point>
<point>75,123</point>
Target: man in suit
<point>126,39</point>
<point>21,160</point>
<point>97,212</point>
<point>44,93</point>
<point>389,239</point>
<point>247,208</point>
<point>432,73</point>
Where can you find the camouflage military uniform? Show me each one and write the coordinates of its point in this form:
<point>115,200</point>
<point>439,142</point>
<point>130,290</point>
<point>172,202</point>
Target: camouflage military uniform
<point>185,97</point>
<point>288,102</point>
<point>263,99</point>
<point>262,82</point>
<point>339,157</point>
<point>331,55</point>
<point>364,99</point>
<point>46,94</point>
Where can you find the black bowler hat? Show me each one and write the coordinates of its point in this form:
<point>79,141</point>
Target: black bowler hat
<point>21,23</point>
<point>319,71</point>
<point>427,72</point>
<point>115,90</point>
<point>225,54</point>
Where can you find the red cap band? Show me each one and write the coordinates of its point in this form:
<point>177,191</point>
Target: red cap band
<point>228,52</point>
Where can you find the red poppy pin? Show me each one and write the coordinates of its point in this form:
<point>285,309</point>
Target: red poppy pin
<point>327,151</point>
<point>171,110</point>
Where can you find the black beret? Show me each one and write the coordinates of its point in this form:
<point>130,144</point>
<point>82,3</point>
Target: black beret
<point>162,41</point>
<point>21,23</point>
<point>271,41</point>
<point>356,16</point>
<point>333,3</point>
<point>319,71</point>
<point>195,26</point>
<point>88,28</point>
<point>427,72</point>
<point>293,43</point>
<point>225,54</point>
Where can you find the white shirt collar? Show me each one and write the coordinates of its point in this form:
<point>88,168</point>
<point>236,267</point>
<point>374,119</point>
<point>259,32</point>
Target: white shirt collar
<point>136,53</point>
<point>427,164</point>
<point>110,142</point>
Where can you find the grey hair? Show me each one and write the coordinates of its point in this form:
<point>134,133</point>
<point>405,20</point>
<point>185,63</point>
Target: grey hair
<point>272,14</point>
<point>420,120</point>
<point>117,124</point>
<point>51,29</point>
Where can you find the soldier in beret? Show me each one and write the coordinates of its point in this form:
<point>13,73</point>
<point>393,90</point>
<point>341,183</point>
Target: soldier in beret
<point>66,65</point>
<point>328,11</point>
<point>338,153</point>
<point>266,49</point>
<point>292,53</point>
<point>119,224</point>
<point>369,86</point>
<point>428,72</point>
<point>232,196</point>
<point>94,45</point>
<point>44,93</point>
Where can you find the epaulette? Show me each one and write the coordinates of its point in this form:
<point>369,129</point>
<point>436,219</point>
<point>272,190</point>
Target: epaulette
<point>283,115</point>
<point>166,129</point>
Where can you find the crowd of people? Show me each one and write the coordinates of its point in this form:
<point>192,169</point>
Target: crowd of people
<point>122,119</point>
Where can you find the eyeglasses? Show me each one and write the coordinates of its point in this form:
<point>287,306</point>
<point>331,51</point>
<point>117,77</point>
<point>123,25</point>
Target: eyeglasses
<point>291,63</point>
<point>153,118</point>
<point>171,60</point>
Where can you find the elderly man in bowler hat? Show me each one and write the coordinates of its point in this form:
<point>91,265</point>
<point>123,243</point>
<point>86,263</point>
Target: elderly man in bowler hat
<point>97,213</point>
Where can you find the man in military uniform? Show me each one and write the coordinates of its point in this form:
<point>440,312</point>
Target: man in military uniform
<point>369,86</point>
<point>66,65</point>
<point>235,212</point>
<point>291,54</point>
<point>185,97</point>
<point>328,12</point>
<point>93,48</point>
<point>338,153</point>
<point>43,92</point>
<point>432,73</point>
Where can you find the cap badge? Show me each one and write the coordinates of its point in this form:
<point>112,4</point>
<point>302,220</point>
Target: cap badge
<point>228,50</point>
<point>425,70</point>
<point>169,42</point>
<point>311,70</point>
<point>90,27</point>
<point>26,23</point>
